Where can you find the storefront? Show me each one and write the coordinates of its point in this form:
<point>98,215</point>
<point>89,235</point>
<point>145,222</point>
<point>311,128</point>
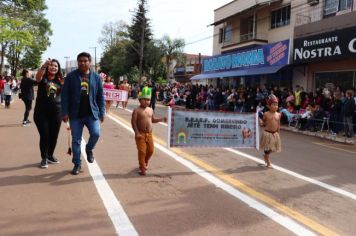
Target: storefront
<point>253,66</point>
<point>329,59</point>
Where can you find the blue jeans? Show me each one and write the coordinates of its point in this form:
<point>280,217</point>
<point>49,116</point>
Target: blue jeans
<point>2,96</point>
<point>77,126</point>
<point>349,129</point>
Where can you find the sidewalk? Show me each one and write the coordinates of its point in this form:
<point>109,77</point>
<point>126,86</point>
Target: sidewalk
<point>322,134</point>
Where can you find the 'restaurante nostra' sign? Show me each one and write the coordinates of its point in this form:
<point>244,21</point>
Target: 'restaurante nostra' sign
<point>338,44</point>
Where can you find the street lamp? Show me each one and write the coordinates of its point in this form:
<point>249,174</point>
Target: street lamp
<point>94,57</point>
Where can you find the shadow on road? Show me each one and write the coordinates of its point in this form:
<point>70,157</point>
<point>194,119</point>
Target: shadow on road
<point>11,125</point>
<point>3,169</point>
<point>30,179</point>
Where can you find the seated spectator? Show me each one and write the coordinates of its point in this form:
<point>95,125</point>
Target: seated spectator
<point>240,103</point>
<point>305,116</point>
<point>290,97</point>
<point>306,101</point>
<point>288,112</point>
<point>316,119</point>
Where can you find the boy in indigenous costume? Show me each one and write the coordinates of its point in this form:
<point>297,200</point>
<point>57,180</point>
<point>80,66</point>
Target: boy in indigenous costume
<point>270,139</point>
<point>141,121</point>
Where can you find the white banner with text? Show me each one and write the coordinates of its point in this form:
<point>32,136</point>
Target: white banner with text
<point>115,95</point>
<point>188,128</point>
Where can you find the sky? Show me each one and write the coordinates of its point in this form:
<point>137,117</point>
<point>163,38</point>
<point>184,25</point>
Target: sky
<point>77,24</point>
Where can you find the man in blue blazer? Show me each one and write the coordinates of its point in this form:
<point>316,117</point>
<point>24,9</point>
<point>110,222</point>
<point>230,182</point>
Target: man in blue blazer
<point>83,104</point>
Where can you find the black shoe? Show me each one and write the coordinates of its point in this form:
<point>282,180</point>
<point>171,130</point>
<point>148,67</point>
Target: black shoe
<point>53,160</point>
<point>44,163</point>
<point>28,122</point>
<point>90,156</point>
<point>76,169</point>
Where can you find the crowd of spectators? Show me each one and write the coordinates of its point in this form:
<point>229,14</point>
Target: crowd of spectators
<point>306,110</point>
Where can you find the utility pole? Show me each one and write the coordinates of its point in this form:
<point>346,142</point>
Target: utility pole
<point>94,58</point>
<point>141,50</point>
<point>67,66</point>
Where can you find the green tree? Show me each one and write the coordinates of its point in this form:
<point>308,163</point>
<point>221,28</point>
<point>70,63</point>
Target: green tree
<point>122,49</point>
<point>155,61</point>
<point>41,32</point>
<point>133,75</point>
<point>172,49</point>
<point>7,34</point>
<point>24,32</point>
<point>141,36</point>
<point>113,62</point>
<point>115,42</point>
<point>12,6</point>
<point>112,34</point>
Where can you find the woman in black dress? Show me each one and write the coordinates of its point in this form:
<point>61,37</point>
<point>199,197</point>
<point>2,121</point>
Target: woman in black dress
<point>47,114</point>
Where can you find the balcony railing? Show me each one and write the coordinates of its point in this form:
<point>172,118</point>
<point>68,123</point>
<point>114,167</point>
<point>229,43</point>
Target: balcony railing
<point>245,38</point>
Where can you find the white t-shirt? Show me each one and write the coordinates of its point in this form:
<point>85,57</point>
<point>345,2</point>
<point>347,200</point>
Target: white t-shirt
<point>7,89</point>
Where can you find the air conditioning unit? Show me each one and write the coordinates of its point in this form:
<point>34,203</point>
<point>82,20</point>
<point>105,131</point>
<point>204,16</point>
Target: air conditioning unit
<point>313,2</point>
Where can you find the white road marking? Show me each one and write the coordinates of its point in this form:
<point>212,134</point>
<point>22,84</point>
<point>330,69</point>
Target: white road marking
<point>286,222</point>
<point>294,174</point>
<point>120,220</point>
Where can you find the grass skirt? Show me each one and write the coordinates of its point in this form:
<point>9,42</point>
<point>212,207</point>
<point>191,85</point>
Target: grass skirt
<point>271,142</point>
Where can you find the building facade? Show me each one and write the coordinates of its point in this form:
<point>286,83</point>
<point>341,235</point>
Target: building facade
<point>241,25</point>
<point>324,52</point>
<point>192,66</point>
<point>5,70</point>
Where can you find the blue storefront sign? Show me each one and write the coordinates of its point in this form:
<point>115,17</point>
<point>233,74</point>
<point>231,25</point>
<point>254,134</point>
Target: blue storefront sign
<point>275,54</point>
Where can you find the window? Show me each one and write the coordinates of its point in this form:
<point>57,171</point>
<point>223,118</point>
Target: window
<point>345,4</point>
<point>333,6</point>
<point>246,28</point>
<point>221,35</point>
<point>343,79</point>
<point>228,33</point>
<point>280,17</point>
<point>225,34</point>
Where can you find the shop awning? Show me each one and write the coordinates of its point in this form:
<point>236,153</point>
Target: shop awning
<point>236,73</point>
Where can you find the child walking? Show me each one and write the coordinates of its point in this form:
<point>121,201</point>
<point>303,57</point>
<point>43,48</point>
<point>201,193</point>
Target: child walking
<point>8,91</point>
<point>141,121</point>
<point>270,139</point>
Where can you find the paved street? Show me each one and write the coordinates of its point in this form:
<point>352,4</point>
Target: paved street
<point>195,191</point>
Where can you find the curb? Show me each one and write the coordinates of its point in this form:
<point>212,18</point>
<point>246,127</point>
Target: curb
<point>322,135</point>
